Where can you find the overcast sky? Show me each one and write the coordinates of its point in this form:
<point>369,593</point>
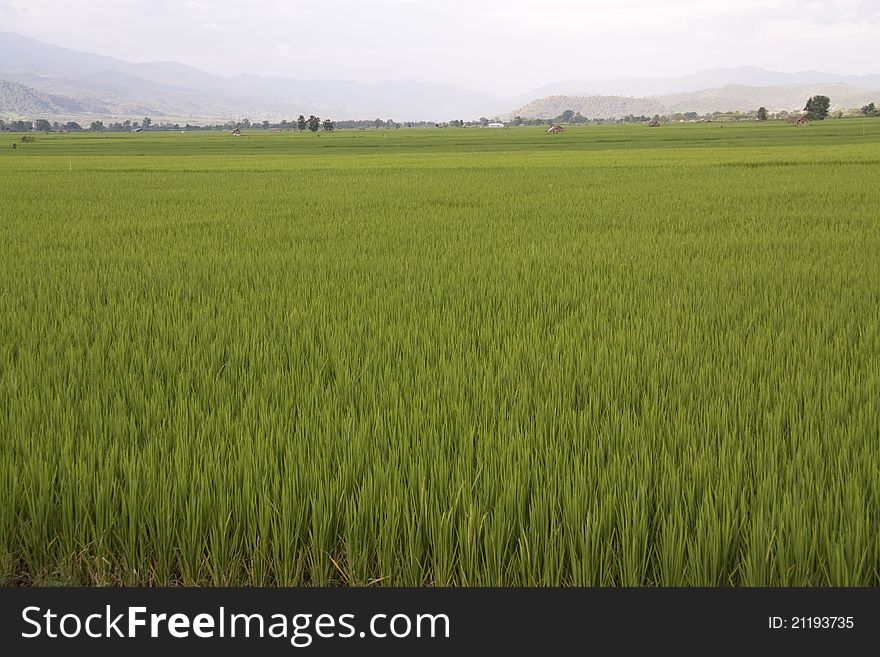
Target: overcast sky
<point>501,46</point>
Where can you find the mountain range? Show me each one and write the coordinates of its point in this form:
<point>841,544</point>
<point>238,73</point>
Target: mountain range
<point>38,80</point>
<point>750,76</point>
<point>728,98</point>
<point>80,84</point>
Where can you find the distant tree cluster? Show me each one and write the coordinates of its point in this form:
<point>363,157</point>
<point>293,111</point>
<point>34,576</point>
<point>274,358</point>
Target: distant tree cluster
<point>570,116</point>
<point>128,125</point>
<point>817,108</point>
<point>20,126</point>
<point>869,110</point>
<point>44,125</point>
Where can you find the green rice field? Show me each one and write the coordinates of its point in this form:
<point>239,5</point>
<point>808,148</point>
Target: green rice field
<point>620,356</point>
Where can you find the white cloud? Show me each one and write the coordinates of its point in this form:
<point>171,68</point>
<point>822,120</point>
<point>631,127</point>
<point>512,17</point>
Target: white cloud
<point>282,50</point>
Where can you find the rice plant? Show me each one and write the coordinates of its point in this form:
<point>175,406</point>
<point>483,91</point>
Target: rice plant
<point>617,356</point>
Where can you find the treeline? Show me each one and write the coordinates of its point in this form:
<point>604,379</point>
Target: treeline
<point>570,117</point>
<point>44,125</point>
<point>301,124</point>
<point>816,108</point>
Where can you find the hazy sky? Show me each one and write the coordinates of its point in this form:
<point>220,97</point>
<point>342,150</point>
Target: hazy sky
<point>502,46</point>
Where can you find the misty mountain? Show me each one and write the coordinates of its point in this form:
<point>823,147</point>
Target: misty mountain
<point>749,76</point>
<point>62,84</point>
<point>592,107</point>
<point>105,87</point>
<point>733,97</point>
<point>729,98</point>
<point>31,102</point>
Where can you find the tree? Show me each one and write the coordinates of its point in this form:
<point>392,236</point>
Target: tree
<point>301,123</point>
<point>817,108</point>
<point>565,117</point>
<point>378,123</point>
<point>266,125</point>
<point>72,126</point>
<point>96,126</point>
<point>147,122</point>
<point>869,110</point>
<point>42,125</point>
<point>314,123</point>
<point>762,113</point>
<point>328,125</point>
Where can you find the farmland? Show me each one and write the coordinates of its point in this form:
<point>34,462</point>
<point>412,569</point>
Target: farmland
<point>616,356</point>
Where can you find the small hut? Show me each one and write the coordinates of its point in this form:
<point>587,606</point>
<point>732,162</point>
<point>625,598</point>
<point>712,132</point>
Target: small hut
<point>798,120</point>
<point>555,129</point>
<point>236,133</point>
<point>654,123</point>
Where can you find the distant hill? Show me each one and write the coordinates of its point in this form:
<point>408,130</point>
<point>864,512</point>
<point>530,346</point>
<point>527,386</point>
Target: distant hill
<point>728,98</point>
<point>27,101</point>
<point>104,87</point>
<point>739,97</point>
<point>599,107</point>
<point>749,76</point>
<point>45,81</point>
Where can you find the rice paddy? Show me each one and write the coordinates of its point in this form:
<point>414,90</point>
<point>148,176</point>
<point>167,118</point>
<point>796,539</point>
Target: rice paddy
<point>618,356</point>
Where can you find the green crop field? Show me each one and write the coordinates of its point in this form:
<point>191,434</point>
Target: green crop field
<point>617,356</point>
